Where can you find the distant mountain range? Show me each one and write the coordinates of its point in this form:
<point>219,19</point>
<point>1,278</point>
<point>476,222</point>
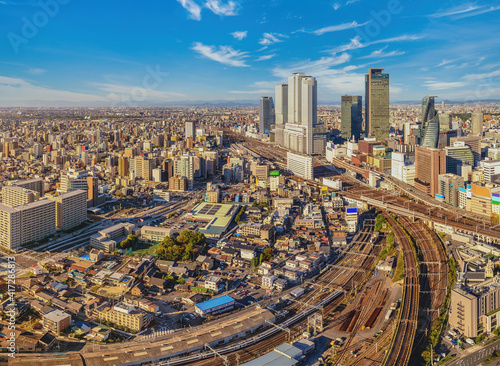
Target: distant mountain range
<point>212,103</point>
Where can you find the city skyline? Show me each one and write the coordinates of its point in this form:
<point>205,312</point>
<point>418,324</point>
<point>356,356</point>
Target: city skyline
<point>60,53</point>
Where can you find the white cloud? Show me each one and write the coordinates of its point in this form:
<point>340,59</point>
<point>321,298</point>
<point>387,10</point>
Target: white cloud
<point>15,91</point>
<point>193,8</point>
<point>222,9</point>
<point>265,57</point>
<point>336,6</point>
<point>464,11</point>
<point>483,76</point>
<point>445,62</point>
<point>441,85</point>
<point>239,35</point>
<point>380,54</point>
<point>37,71</point>
<point>351,2</point>
<point>455,11</point>
<point>356,43</point>
<point>339,27</point>
<point>224,54</point>
<point>270,38</point>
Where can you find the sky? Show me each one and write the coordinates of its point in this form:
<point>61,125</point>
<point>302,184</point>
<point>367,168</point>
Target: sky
<point>69,52</point>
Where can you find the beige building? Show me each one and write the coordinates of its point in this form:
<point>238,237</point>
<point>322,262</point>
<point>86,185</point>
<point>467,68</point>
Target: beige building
<point>125,316</point>
<point>56,321</point>
<point>15,196</point>
<point>26,223</point>
<point>71,209</point>
<point>36,185</point>
<point>476,311</point>
<point>107,239</point>
<point>143,167</point>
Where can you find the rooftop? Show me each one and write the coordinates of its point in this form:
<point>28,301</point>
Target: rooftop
<point>218,301</point>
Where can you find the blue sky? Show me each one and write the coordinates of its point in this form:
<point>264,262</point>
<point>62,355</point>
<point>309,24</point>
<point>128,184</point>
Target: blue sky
<point>55,52</point>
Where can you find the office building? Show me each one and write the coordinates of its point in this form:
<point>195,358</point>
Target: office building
<point>477,124</point>
<point>36,185</point>
<point>142,166</point>
<point>93,191</point>
<point>351,117</point>
<point>189,129</point>
<point>430,124</point>
<point>491,170</point>
<point>266,114</point>
<point>300,165</point>
<point>474,142</point>
<point>449,185</point>
<point>14,196</point>
<point>429,164</point>
<point>71,209</point>
<point>377,104</point>
<point>302,133</point>
<point>481,201</point>
<point>397,165</point>
<point>458,156</point>
<point>444,122</point>
<point>123,166</point>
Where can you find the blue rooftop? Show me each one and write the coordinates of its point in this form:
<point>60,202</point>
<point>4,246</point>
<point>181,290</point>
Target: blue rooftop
<point>218,301</point>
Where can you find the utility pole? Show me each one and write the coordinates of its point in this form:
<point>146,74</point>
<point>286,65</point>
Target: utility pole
<point>226,360</point>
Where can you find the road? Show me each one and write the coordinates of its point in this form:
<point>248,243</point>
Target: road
<point>479,356</point>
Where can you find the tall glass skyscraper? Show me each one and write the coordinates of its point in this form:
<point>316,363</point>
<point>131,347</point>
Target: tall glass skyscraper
<point>351,118</point>
<point>266,114</point>
<point>430,124</point>
<point>377,104</point>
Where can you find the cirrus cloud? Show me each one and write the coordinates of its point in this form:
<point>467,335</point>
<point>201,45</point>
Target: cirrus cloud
<point>224,54</point>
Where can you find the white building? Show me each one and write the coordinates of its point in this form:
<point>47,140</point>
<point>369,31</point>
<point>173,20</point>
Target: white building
<point>300,165</point>
<point>491,168</point>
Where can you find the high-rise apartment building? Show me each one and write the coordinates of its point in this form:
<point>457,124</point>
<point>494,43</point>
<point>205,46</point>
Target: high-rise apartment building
<point>15,196</point>
<point>189,127</point>
<point>266,114</point>
<point>93,190</point>
<point>377,104</point>
<point>429,164</point>
<point>142,166</point>
<point>184,167</point>
<point>300,165</point>
<point>351,117</point>
<point>477,124</point>
<point>36,185</point>
<point>430,124</point>
<point>73,180</point>
<point>26,223</point>
<point>71,209</point>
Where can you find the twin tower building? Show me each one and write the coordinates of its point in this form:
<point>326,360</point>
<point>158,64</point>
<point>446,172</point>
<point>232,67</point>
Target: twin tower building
<point>296,113</point>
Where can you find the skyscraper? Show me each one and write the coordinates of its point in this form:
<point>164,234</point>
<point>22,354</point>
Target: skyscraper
<point>429,164</point>
<point>377,104</point>
<point>302,132</point>
<point>266,114</point>
<point>351,119</point>
<point>281,99</point>
<point>430,124</point>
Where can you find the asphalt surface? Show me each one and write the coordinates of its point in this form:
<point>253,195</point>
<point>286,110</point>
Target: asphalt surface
<point>479,356</point>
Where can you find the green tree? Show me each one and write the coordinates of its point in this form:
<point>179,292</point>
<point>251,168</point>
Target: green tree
<point>268,254</point>
<point>261,258</point>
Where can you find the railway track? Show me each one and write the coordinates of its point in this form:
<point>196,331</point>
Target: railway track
<point>404,335</point>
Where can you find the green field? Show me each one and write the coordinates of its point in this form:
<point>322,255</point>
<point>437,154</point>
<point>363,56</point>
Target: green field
<point>145,248</point>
